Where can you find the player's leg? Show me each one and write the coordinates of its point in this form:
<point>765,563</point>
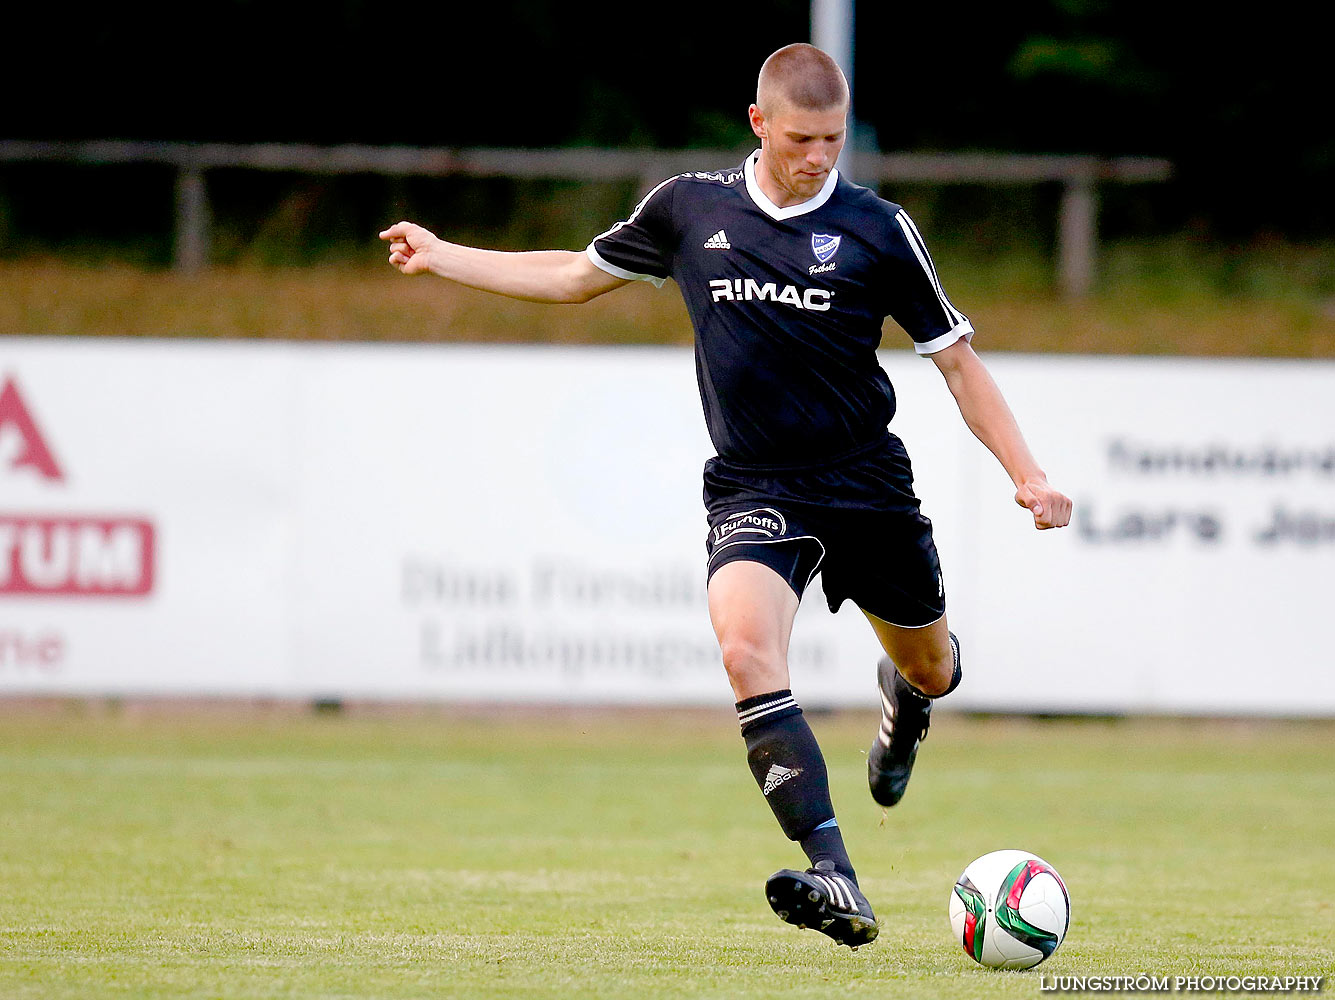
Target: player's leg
<point>886,562</point>
<point>924,656</point>
<point>752,607</point>
<point>921,665</point>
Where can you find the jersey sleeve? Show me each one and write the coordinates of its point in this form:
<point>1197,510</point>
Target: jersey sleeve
<point>640,249</point>
<point>917,301</point>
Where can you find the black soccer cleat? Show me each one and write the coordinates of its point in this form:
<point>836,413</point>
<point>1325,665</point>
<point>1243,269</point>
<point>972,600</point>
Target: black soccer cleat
<point>824,900</point>
<point>905,715</point>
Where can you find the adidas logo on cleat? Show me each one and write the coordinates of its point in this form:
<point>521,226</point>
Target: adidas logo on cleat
<point>719,241</point>
<point>823,900</point>
<point>777,775</point>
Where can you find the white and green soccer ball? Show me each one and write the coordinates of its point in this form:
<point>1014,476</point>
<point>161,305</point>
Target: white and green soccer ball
<point>1009,910</point>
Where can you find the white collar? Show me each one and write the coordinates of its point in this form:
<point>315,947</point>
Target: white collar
<point>774,211</point>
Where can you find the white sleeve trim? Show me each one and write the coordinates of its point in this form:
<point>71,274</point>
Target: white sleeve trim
<point>620,272</point>
<point>963,330</point>
<point>919,248</point>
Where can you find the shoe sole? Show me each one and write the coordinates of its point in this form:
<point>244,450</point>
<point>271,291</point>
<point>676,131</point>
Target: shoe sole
<point>802,903</point>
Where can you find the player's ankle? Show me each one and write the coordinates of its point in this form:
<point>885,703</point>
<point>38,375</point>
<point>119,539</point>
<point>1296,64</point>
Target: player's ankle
<point>824,848</point>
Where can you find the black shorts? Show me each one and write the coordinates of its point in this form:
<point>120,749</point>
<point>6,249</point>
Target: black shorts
<point>856,522</point>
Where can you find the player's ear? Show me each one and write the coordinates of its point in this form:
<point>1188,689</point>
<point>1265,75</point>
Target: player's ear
<point>757,121</point>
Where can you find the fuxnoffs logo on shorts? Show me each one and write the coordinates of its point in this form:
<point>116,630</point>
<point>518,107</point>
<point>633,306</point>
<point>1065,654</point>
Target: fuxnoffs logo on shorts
<point>763,522</point>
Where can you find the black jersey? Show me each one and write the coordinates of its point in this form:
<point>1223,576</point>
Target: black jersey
<point>787,305</point>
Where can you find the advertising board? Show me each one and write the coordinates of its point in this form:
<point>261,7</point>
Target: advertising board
<point>524,524</point>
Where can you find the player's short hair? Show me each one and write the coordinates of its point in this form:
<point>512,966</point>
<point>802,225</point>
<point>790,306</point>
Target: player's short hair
<point>801,75</point>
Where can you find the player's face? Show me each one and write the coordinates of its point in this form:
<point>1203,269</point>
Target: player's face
<point>799,148</point>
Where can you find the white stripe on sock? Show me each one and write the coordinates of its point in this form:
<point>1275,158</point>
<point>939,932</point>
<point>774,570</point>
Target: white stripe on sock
<point>769,707</point>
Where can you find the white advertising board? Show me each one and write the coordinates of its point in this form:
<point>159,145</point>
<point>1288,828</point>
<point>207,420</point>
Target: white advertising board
<point>187,444</point>
<point>525,524</point>
<point>1201,559</point>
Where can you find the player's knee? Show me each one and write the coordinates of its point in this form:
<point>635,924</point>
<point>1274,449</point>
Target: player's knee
<point>929,670</point>
<point>751,665</point>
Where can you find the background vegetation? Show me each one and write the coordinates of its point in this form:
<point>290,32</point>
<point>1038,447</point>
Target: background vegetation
<point>1233,255</point>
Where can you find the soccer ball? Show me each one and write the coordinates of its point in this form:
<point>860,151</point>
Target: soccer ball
<point>1009,910</point>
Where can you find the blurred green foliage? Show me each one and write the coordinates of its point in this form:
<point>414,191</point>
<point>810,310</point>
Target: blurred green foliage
<point>989,241</point>
<point>1236,101</point>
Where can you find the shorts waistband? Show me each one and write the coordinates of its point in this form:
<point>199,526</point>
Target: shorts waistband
<point>861,451</point>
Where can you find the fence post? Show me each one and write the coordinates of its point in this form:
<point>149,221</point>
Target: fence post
<point>1077,236</point>
<point>191,251</point>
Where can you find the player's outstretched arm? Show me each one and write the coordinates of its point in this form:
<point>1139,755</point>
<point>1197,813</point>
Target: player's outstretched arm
<point>535,275</point>
<point>985,411</point>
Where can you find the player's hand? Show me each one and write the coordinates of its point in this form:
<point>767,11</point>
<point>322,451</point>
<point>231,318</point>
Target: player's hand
<point>1050,508</point>
<point>410,247</point>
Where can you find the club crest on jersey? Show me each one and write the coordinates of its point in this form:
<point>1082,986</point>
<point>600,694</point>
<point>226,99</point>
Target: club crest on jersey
<point>824,246</point>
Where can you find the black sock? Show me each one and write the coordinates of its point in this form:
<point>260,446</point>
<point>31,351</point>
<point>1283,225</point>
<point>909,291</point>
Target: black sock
<point>826,843</point>
<point>787,764</point>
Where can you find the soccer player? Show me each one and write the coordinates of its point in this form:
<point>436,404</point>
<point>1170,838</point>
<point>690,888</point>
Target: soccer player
<point>788,271</point>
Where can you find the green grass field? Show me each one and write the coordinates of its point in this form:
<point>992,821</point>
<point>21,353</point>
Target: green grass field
<point>271,853</point>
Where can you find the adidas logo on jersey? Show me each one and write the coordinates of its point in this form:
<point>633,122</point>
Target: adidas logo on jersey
<point>778,774</point>
<point>719,241</point>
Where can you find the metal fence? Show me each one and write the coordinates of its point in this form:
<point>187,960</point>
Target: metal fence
<point>1077,234</point>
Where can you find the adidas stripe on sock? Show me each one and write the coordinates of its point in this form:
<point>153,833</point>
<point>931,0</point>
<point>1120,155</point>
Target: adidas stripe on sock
<point>762,706</point>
